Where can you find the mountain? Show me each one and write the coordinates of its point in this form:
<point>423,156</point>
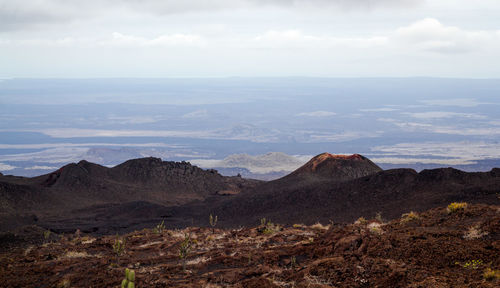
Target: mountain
<point>268,166</point>
<point>331,167</point>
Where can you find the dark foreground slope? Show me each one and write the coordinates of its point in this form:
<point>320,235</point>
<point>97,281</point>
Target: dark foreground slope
<point>432,249</point>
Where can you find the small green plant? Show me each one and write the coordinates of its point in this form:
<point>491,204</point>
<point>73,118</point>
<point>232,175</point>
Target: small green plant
<point>263,222</point>
<point>456,207</point>
<point>378,217</point>
<point>213,221</point>
<point>293,262</point>
<point>491,275</point>
<point>184,249</point>
<point>473,264</point>
<point>118,246</point>
<point>159,228</point>
<point>129,281</point>
<point>267,227</point>
<point>409,217</point>
<point>46,235</point>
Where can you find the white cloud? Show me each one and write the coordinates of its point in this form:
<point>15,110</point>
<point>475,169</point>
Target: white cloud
<point>379,110</point>
<point>430,35</point>
<point>423,160</point>
<point>36,167</point>
<point>196,114</point>
<point>458,102</point>
<point>449,153</point>
<point>297,38</point>
<point>442,114</point>
<point>133,119</point>
<point>176,39</point>
<point>6,167</point>
<point>317,114</point>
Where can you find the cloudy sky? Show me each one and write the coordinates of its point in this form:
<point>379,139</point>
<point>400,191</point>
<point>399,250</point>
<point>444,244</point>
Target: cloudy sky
<point>219,38</point>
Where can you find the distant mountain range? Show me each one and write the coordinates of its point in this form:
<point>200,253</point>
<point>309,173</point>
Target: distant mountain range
<point>141,192</point>
<point>269,166</point>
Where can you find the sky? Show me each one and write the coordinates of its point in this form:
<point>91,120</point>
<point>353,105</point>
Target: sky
<point>249,38</point>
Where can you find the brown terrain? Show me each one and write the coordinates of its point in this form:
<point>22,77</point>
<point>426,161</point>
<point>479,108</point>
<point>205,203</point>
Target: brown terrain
<point>54,229</point>
<point>436,248</point>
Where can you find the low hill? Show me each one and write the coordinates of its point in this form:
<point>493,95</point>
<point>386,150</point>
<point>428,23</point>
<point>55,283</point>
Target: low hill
<point>83,185</point>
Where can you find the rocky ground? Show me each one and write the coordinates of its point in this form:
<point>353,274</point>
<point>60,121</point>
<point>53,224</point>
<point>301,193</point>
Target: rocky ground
<point>437,248</point>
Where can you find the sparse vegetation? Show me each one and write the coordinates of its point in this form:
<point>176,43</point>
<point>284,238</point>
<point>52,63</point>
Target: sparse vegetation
<point>246,257</point>
<point>375,228</point>
<point>213,221</point>
<point>184,249</point>
<point>159,228</point>
<point>118,246</point>
<point>409,217</point>
<point>472,264</point>
<point>378,217</point>
<point>129,280</point>
<point>293,262</point>
<point>361,221</point>
<point>298,226</point>
<point>320,227</point>
<point>474,232</point>
<point>46,235</point>
<point>491,275</point>
<point>456,207</point>
<point>268,227</point>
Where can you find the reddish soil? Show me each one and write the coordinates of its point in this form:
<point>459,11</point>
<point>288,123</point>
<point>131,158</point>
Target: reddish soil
<point>434,249</point>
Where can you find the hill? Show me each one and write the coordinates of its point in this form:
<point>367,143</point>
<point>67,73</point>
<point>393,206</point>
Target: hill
<point>78,187</point>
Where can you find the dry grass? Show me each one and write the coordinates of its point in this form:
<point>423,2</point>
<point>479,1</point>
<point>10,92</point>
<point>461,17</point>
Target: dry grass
<point>456,207</point>
<point>361,221</point>
<point>375,228</point>
<point>474,232</point>
<point>491,275</point>
<point>409,217</point>
<point>319,226</point>
<point>75,254</point>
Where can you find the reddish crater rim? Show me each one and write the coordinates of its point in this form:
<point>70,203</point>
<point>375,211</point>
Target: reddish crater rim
<point>324,156</point>
<point>317,160</point>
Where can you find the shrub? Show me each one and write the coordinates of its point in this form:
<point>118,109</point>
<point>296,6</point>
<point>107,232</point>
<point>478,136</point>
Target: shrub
<point>118,246</point>
<point>184,249</point>
<point>213,221</point>
<point>268,227</point>
<point>361,221</point>
<point>409,217</point>
<point>473,264</point>
<point>129,281</point>
<point>159,228</point>
<point>298,226</point>
<point>455,207</point>
<point>491,275</point>
<point>474,232</point>
<point>319,226</point>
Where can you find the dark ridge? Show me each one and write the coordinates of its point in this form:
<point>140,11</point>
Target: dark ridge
<point>141,192</point>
